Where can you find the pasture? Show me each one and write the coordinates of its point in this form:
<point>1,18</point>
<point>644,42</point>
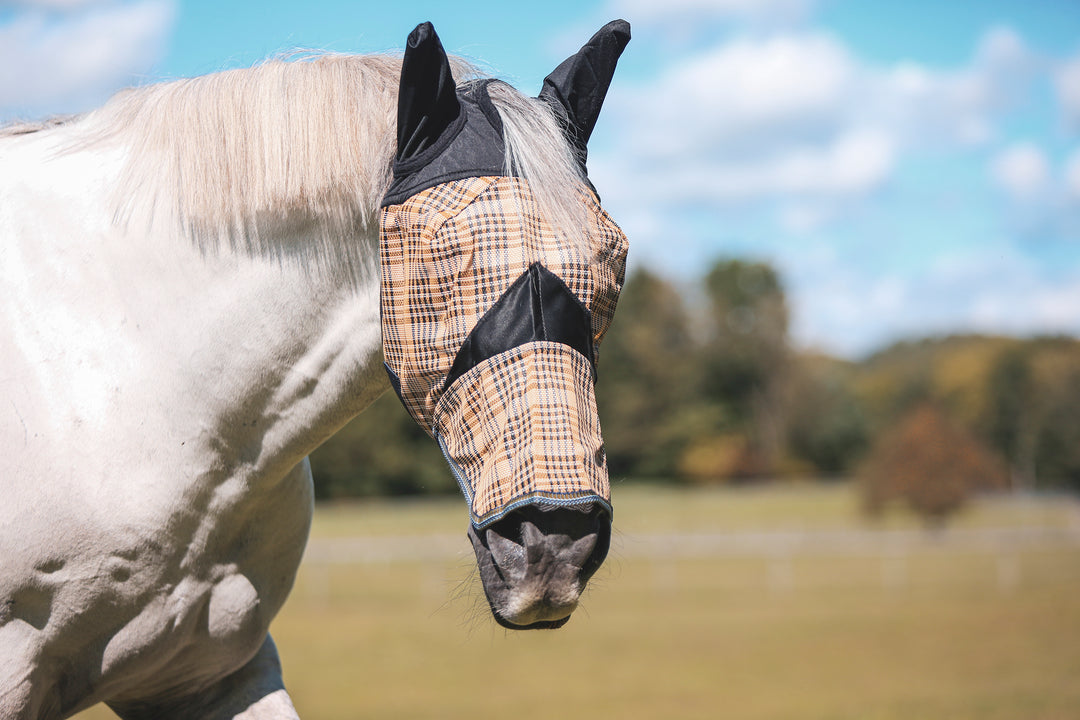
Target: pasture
<point>742,603</point>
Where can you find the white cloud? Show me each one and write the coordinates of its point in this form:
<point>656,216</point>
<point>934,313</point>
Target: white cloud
<point>1003,55</point>
<point>62,5</point>
<point>784,143</point>
<point>995,289</point>
<point>1022,170</point>
<point>686,13</point>
<point>772,86</point>
<point>998,289</point>
<point>792,116</point>
<point>1067,84</point>
<point>73,60</point>
<point>735,99</point>
<point>1005,292</point>
<point>1072,177</point>
<point>850,165</point>
<point>1043,193</point>
<point>802,218</point>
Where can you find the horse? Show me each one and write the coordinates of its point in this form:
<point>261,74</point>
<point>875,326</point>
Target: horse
<point>204,279</point>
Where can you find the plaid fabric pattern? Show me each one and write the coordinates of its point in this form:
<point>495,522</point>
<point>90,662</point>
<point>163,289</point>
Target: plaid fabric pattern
<point>523,425</point>
<point>447,254</point>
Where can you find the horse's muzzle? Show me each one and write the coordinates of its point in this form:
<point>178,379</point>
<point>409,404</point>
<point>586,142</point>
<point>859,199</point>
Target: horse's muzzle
<point>535,562</point>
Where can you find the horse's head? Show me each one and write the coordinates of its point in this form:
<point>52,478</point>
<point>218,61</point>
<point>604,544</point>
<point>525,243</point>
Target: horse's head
<point>500,273</point>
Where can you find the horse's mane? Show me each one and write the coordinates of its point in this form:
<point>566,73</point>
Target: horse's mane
<point>229,153</point>
<point>309,140</point>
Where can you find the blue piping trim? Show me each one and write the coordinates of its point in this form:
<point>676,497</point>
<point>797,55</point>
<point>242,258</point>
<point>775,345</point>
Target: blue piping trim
<point>456,471</point>
<point>539,500</point>
<point>480,524</point>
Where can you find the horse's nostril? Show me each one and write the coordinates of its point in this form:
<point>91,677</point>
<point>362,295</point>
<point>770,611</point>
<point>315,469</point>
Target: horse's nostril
<point>535,562</point>
<point>506,552</point>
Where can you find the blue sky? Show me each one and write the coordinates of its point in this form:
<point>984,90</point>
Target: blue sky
<point>910,167</point>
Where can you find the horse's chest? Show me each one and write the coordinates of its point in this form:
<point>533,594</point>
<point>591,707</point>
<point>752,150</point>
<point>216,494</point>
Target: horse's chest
<point>157,597</point>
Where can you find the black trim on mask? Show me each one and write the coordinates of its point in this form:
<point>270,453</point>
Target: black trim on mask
<point>477,91</point>
<point>538,306</point>
<point>395,381</point>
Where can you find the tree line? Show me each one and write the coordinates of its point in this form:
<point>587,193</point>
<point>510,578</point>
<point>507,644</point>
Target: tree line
<point>711,390</point>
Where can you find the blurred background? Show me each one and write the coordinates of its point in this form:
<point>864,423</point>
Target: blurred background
<point>841,397</point>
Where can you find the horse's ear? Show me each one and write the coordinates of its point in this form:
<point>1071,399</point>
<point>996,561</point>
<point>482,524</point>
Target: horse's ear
<point>427,96</point>
<point>578,86</point>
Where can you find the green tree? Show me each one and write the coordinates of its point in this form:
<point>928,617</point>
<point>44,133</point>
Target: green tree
<point>1013,412</point>
<point>746,354</point>
<point>826,425</point>
<point>1057,446</point>
<point>647,388</point>
<point>382,452</point>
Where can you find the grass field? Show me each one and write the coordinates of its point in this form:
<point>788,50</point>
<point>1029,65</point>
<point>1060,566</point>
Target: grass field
<point>767,622</point>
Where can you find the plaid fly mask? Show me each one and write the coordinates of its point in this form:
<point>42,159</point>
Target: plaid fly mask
<point>491,320</point>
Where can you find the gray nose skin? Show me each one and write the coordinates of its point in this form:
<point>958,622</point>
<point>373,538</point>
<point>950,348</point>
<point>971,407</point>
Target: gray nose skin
<point>535,562</point>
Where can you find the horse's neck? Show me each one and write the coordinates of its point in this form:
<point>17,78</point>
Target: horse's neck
<point>163,356</point>
<point>157,398</point>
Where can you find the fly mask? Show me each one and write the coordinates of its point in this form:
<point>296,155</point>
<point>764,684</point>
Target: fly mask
<point>491,318</point>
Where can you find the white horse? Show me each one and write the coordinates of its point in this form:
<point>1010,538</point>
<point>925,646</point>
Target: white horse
<point>189,305</point>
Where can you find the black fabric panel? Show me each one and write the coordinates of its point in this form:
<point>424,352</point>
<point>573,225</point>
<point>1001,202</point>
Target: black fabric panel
<point>427,95</point>
<point>537,306</point>
<point>578,86</point>
<point>470,147</point>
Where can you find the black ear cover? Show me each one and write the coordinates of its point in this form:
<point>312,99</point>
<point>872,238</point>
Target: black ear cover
<point>578,86</point>
<point>427,96</point>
